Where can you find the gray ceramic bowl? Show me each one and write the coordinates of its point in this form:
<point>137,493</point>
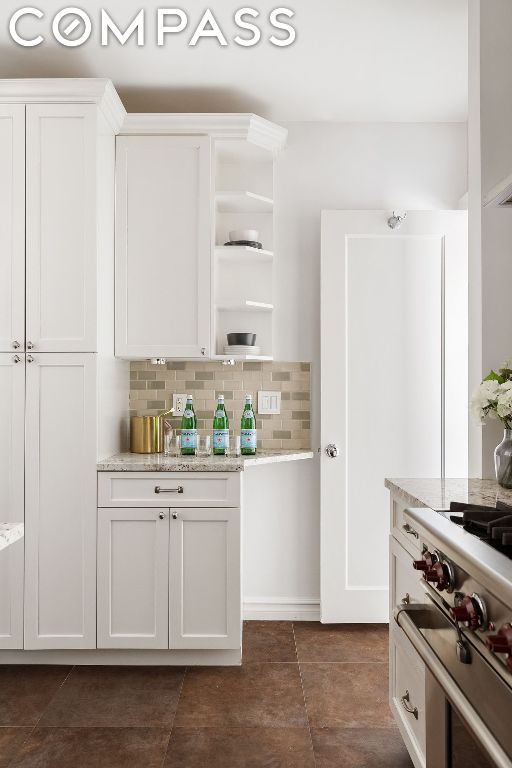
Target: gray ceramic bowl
<point>239,339</point>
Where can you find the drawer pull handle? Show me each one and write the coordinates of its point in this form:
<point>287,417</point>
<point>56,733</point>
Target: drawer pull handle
<point>406,600</point>
<point>407,528</point>
<point>179,489</point>
<point>174,515</point>
<point>406,704</point>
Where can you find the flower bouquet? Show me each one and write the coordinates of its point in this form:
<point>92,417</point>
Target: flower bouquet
<point>493,399</point>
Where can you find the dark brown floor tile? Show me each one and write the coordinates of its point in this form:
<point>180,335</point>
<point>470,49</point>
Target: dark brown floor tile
<point>94,748</point>
<point>266,695</point>
<point>341,642</point>
<point>359,748</point>
<point>346,695</point>
<point>11,740</point>
<point>117,696</point>
<point>268,641</point>
<point>240,748</point>
<point>25,691</point>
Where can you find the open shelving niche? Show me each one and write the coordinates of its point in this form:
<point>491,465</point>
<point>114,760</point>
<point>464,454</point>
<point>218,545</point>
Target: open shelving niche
<point>243,277</point>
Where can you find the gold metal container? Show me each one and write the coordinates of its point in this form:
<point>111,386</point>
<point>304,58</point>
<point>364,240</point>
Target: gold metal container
<point>147,434</point>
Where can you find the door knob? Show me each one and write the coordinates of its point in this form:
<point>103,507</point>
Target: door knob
<point>174,515</point>
<point>16,359</point>
<point>16,345</point>
<point>162,515</point>
<point>30,359</point>
<point>30,345</point>
<point>332,451</point>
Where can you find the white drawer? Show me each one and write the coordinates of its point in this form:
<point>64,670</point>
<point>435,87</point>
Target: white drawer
<point>168,489</point>
<point>407,692</point>
<point>406,584</point>
<point>401,530</point>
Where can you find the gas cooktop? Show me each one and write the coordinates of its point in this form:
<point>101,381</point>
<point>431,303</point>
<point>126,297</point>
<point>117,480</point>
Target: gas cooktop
<point>492,525</point>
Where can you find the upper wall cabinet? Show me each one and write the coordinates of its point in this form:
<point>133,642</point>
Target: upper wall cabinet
<point>163,255</point>
<point>179,199</point>
<point>12,226</point>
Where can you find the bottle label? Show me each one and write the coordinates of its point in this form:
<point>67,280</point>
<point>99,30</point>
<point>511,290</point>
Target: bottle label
<point>220,414</point>
<point>189,438</point>
<point>188,413</point>
<point>248,438</point>
<point>220,439</point>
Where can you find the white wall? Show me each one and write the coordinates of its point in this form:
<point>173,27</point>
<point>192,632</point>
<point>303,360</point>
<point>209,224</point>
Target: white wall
<point>328,166</point>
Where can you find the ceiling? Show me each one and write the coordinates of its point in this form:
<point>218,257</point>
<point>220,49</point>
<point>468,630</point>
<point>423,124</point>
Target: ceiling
<point>353,60</point>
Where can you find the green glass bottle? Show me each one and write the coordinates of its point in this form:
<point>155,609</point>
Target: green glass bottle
<point>248,429</point>
<point>220,428</point>
<point>189,429</point>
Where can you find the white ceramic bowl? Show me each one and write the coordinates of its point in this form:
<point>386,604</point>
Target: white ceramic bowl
<point>244,234</point>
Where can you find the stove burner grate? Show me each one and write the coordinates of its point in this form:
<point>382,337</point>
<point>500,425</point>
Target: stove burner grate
<point>491,524</point>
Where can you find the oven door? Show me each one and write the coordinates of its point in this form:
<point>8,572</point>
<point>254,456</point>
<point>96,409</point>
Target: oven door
<point>476,700</point>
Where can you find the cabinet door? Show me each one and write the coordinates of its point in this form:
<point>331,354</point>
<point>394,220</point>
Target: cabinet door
<point>60,503</point>
<point>163,246</point>
<point>12,226</point>
<point>61,227</point>
<point>204,591</point>
<point>12,417</point>
<point>133,573</point>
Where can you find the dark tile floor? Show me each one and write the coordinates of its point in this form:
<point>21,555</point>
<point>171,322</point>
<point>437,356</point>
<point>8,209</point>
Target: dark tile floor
<point>306,696</point>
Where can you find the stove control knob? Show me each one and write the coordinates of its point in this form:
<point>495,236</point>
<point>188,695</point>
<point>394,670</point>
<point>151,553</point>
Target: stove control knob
<point>441,574</point>
<point>471,611</point>
<point>426,563</point>
<point>502,642</point>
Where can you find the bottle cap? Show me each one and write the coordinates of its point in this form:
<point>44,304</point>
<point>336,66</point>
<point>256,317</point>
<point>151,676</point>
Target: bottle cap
<point>220,397</point>
<point>189,397</point>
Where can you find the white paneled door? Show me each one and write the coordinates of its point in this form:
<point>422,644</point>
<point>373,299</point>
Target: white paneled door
<point>204,587</point>
<point>12,227</point>
<point>60,501</point>
<point>133,578</point>
<point>61,227</point>
<point>12,417</point>
<point>163,246</point>
<point>394,386</point>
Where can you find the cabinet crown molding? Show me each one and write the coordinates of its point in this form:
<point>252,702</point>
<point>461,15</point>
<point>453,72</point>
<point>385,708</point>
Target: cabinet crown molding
<point>247,126</point>
<point>66,90</point>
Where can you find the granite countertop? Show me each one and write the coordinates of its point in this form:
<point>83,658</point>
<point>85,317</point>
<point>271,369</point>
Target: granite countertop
<point>157,462</point>
<point>9,533</point>
<point>437,493</point>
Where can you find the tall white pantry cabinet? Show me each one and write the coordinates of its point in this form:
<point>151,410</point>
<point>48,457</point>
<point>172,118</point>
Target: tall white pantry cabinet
<point>56,340</point>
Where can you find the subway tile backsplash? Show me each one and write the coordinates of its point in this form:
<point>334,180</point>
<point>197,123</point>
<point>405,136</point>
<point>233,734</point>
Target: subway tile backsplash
<point>152,387</point>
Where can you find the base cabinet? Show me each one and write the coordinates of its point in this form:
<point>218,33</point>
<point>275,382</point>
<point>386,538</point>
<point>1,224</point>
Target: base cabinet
<point>169,578</point>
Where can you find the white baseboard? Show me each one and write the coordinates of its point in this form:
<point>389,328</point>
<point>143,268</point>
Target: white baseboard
<point>282,609</point>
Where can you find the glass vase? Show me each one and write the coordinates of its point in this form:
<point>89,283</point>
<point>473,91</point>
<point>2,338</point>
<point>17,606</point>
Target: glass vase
<point>503,460</point>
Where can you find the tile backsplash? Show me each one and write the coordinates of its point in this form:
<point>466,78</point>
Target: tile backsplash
<point>152,387</point>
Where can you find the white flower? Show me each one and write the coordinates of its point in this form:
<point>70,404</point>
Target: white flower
<point>504,407</point>
<point>485,396</point>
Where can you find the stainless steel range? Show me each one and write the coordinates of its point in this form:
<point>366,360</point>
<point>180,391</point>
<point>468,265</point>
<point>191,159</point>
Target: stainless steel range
<point>458,624</point>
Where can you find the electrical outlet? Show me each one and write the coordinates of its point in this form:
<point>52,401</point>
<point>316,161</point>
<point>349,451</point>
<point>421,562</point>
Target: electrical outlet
<point>178,403</point>
<point>269,403</point>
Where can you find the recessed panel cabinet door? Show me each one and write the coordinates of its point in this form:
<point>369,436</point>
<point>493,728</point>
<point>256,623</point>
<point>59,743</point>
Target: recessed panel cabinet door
<point>133,578</point>
<point>61,228</point>
<point>12,417</point>
<point>12,227</point>
<point>204,589</point>
<point>163,246</point>
<point>60,501</point>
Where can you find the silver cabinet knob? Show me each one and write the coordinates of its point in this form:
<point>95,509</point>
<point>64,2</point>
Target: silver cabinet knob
<point>16,359</point>
<point>162,515</point>
<point>30,345</point>
<point>332,450</point>
<point>30,359</point>
<point>16,345</point>
<point>174,515</point>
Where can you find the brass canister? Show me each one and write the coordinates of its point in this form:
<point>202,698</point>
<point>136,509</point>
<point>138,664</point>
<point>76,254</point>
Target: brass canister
<point>147,434</point>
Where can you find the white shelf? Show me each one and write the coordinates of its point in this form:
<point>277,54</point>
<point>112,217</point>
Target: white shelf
<point>244,306</point>
<point>242,253</point>
<point>243,202</point>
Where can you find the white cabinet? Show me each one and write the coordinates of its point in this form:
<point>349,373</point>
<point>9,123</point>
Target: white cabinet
<point>204,586</point>
<point>60,503</point>
<point>133,570</point>
<point>61,224</point>
<point>12,414</point>
<point>163,246</point>
<point>12,226</point>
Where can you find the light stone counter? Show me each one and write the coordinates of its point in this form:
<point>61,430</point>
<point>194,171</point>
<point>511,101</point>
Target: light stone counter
<point>157,462</point>
<point>9,533</point>
<point>437,494</point>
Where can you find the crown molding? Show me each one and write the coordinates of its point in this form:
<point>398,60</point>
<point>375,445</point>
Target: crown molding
<point>248,127</point>
<point>66,90</point>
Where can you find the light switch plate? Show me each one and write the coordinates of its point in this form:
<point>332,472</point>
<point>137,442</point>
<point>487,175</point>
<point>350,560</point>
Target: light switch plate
<point>178,403</point>
<point>269,403</point>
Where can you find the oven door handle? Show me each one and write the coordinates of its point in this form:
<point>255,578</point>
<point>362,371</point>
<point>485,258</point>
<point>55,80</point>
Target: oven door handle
<point>452,691</point>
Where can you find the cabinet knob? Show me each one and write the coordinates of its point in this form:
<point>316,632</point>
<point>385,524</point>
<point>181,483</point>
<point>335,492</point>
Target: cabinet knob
<point>16,359</point>
<point>174,515</point>
<point>30,359</point>
<point>161,515</point>
<point>30,345</point>
<point>203,351</point>
<point>16,345</point>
